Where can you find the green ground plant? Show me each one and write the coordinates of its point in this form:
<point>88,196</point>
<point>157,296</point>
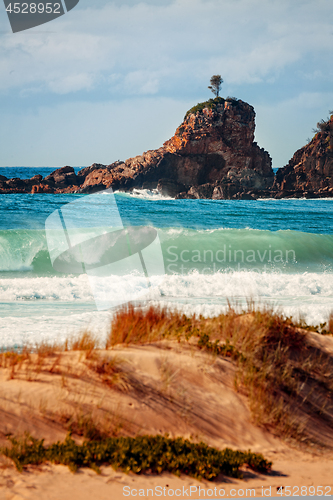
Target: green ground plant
<point>154,454</point>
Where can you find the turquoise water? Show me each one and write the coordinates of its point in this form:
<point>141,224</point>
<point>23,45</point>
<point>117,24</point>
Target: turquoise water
<point>276,251</point>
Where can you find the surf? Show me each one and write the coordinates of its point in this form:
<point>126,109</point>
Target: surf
<point>25,250</point>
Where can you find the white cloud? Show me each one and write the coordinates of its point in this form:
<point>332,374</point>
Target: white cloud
<point>137,66</point>
<point>249,41</point>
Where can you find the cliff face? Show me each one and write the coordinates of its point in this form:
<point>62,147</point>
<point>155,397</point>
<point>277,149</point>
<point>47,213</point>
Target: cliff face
<point>215,146</point>
<point>310,171</point>
<point>211,155</point>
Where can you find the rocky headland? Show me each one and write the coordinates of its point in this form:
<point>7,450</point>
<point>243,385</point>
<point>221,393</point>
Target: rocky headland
<point>212,155</point>
<point>309,173</point>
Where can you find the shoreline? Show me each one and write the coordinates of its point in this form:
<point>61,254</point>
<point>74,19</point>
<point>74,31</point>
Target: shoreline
<point>64,180</point>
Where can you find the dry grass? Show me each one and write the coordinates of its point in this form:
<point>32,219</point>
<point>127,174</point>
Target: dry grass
<point>110,370</point>
<point>86,341</point>
<point>85,423</point>
<point>330,323</point>
<point>288,383</point>
<point>45,357</point>
<point>139,326</point>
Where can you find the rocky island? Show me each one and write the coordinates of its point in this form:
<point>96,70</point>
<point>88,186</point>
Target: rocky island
<point>212,155</point>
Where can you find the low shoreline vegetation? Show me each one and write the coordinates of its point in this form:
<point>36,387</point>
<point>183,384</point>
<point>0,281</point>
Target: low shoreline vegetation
<point>153,454</point>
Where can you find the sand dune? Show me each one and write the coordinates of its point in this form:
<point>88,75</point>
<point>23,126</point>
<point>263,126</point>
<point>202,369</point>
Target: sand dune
<point>164,387</point>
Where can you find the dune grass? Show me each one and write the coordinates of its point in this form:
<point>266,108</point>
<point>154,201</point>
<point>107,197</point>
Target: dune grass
<point>142,326</point>
<point>330,323</point>
<point>286,380</point>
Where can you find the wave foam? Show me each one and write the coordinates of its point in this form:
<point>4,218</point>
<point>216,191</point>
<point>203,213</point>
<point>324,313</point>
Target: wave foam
<point>51,308</point>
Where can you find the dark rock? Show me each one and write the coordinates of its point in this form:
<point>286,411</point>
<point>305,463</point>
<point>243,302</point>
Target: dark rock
<point>61,178</point>
<point>204,191</point>
<point>36,179</point>
<point>310,170</point>
<point>15,183</point>
<point>168,187</point>
<point>90,189</point>
<point>149,185</point>
<point>247,196</point>
<point>185,195</point>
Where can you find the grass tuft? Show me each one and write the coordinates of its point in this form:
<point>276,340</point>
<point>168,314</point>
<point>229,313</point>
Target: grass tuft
<point>85,342</point>
<point>210,104</point>
<point>110,370</point>
<point>143,326</point>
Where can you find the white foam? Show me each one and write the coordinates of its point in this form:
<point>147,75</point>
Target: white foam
<point>250,284</point>
<point>51,308</point>
<point>144,194</point>
<point>33,330</point>
<point>69,289</point>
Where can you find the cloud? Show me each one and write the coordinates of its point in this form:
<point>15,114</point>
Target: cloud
<point>69,87</point>
<point>150,48</point>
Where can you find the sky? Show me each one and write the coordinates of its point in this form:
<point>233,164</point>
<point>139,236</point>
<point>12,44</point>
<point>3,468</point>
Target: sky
<point>114,78</point>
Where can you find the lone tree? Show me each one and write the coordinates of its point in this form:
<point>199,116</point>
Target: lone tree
<point>216,84</point>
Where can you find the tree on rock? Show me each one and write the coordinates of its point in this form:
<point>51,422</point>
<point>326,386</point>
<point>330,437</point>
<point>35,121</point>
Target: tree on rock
<point>216,84</point>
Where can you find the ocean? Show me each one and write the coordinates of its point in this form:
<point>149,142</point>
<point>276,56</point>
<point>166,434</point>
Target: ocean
<point>276,252</point>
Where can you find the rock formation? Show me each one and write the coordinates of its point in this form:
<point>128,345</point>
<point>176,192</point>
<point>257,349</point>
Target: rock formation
<point>211,155</point>
<point>310,171</point>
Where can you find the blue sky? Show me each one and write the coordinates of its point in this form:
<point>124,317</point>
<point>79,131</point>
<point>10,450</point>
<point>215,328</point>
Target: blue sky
<point>112,79</point>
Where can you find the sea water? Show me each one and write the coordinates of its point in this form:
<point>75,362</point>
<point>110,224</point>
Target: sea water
<point>277,252</point>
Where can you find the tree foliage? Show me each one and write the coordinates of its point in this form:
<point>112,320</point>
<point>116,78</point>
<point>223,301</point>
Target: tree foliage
<point>216,84</point>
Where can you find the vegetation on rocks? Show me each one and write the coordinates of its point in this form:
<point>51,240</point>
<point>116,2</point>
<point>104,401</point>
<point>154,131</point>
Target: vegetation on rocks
<point>210,104</point>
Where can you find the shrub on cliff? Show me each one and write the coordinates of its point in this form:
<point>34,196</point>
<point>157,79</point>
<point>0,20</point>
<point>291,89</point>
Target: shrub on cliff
<point>324,125</point>
<point>210,104</point>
